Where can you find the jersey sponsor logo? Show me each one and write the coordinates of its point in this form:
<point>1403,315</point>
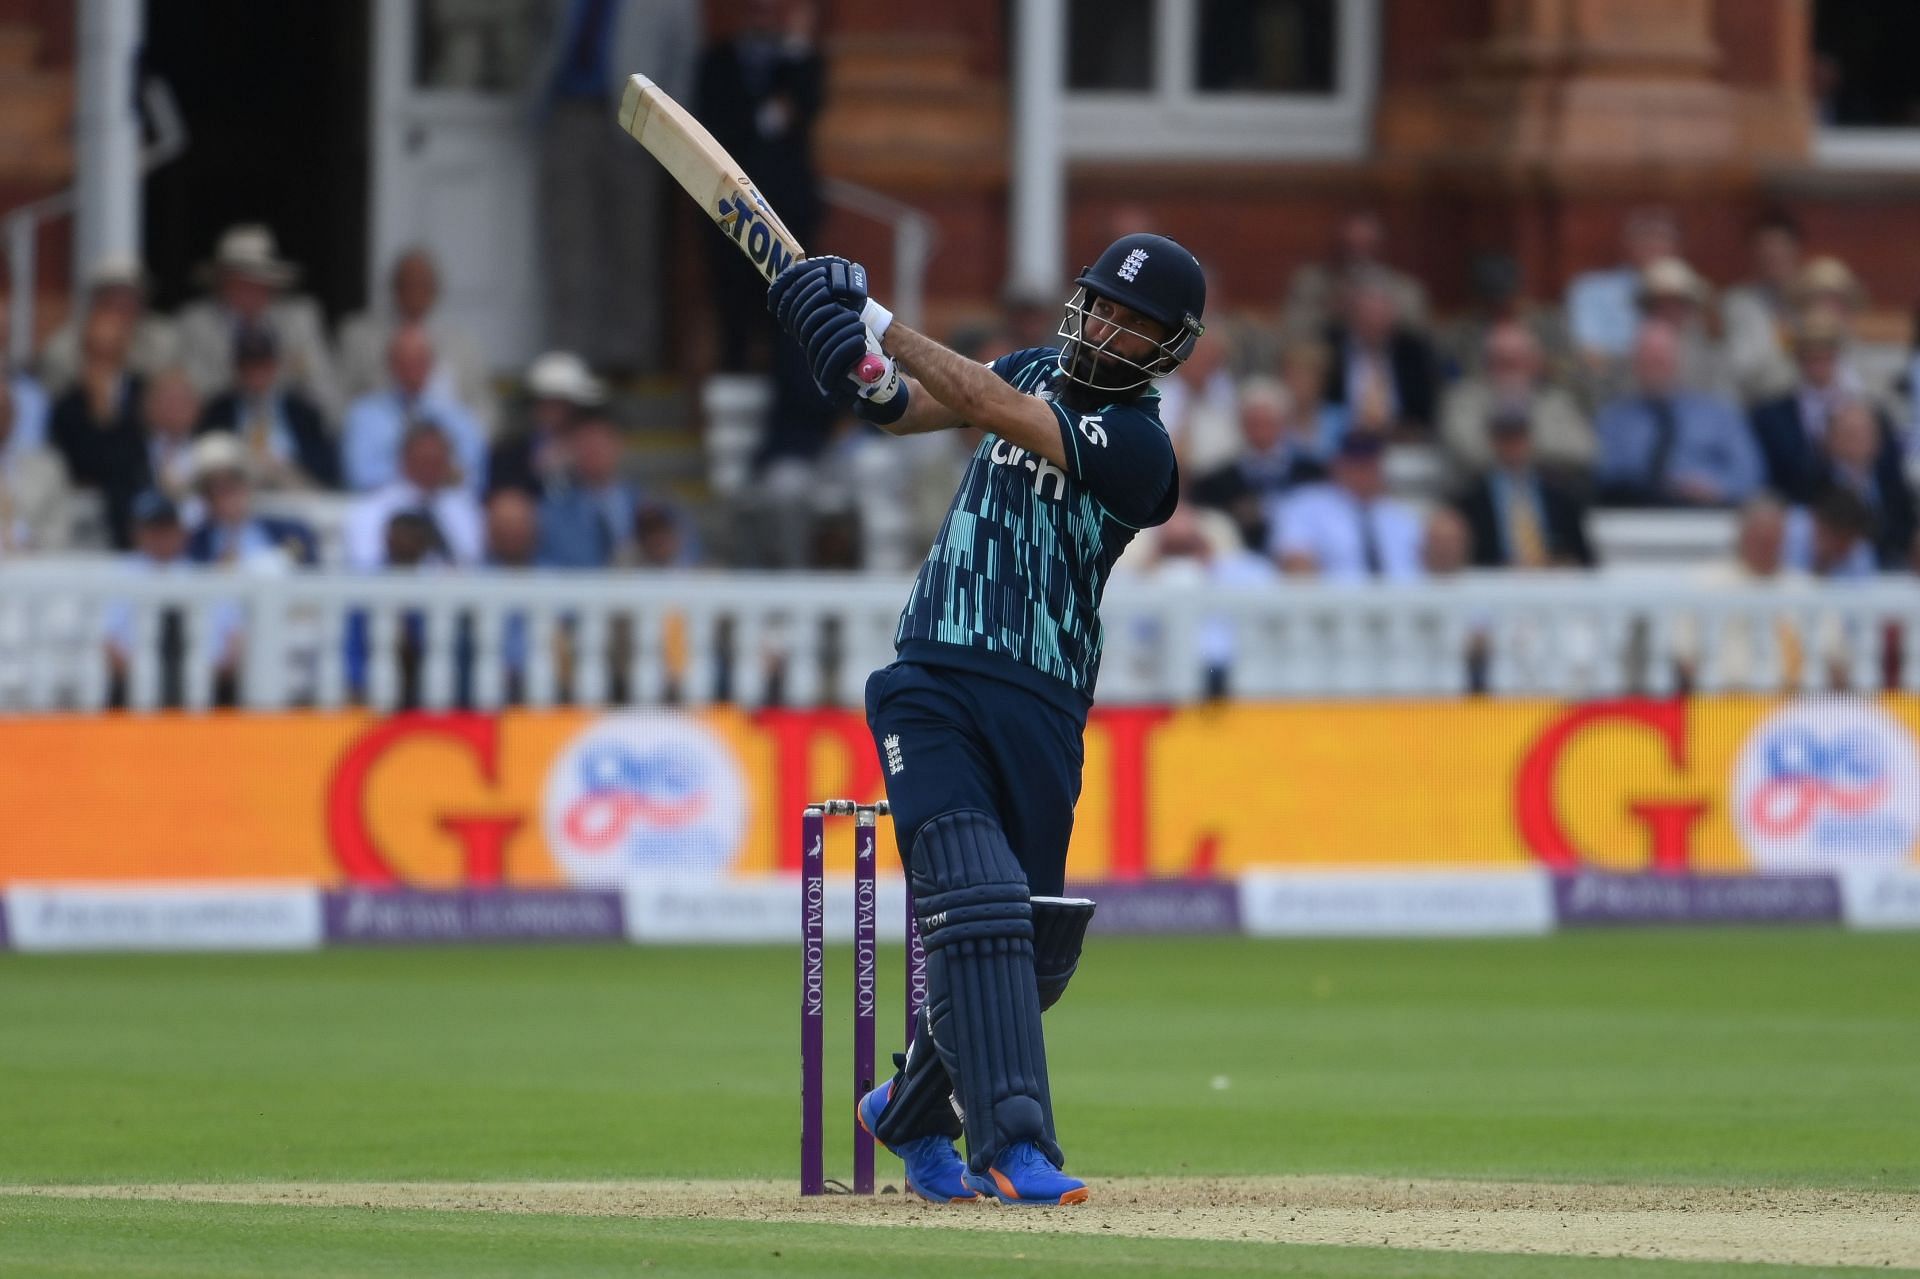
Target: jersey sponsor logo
<point>739,219</point>
<point>1003,453</point>
<point>1131,267</point>
<point>1091,428</point>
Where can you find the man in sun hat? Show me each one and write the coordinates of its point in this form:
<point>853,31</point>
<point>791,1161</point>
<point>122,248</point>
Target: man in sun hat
<point>559,386</point>
<point>250,284</point>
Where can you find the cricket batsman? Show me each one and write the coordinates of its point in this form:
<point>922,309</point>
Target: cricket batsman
<point>979,722</point>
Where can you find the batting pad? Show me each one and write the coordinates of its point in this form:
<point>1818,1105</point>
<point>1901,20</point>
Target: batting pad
<point>983,1001</point>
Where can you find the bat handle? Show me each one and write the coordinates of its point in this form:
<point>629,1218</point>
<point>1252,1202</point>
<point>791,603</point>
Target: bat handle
<point>870,369</point>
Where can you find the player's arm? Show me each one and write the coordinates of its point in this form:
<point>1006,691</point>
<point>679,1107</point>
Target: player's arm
<point>969,392</point>
<point>823,303</point>
<point>925,412</point>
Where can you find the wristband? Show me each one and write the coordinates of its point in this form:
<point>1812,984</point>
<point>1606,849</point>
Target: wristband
<point>877,318</point>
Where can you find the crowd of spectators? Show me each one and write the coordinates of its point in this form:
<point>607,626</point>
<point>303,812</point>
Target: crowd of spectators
<point>179,423</point>
<point>1643,389</point>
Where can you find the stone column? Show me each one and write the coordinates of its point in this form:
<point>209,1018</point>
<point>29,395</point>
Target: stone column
<point>1563,113</point>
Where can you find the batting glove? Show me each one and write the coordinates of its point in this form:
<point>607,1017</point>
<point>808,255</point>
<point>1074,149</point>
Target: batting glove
<point>835,340</point>
<point>838,282</point>
<point>784,293</point>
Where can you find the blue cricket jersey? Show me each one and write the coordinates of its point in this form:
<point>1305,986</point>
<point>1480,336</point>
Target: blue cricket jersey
<point>1012,585</point>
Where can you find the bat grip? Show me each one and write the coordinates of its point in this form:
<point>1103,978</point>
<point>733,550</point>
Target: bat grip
<point>870,369</point>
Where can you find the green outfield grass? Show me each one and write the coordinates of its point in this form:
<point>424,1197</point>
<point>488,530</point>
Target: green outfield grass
<point>1767,1058</point>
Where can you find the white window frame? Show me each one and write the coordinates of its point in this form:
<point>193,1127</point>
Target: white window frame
<point>1175,121</point>
<point>1867,147</point>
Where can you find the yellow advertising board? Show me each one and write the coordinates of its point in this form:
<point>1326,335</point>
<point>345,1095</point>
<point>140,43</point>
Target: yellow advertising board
<point>568,797</point>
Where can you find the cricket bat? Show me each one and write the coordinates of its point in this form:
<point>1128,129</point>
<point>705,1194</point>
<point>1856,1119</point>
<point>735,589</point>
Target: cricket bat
<point>716,181</point>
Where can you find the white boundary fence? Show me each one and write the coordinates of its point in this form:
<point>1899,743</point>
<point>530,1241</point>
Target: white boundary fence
<point>486,639</point>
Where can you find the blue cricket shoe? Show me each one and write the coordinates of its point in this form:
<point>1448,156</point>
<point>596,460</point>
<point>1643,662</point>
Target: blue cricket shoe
<point>1022,1175</point>
<point>935,1170</point>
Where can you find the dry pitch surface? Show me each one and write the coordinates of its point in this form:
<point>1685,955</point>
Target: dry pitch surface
<point>1804,1227</point>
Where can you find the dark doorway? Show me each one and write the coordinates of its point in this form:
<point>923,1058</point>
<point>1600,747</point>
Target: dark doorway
<point>275,101</point>
<point>1863,64</point>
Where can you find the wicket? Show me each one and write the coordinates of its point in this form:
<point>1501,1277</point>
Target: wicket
<point>813,992</point>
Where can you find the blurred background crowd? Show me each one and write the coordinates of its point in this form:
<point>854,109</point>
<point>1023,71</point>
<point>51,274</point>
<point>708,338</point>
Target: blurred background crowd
<point>1347,432</point>
<point>1368,413</point>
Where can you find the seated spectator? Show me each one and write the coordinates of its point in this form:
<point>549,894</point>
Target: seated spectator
<point>412,539</point>
<point>513,530</point>
<point>96,424</point>
<point>1304,372</point>
<point>1272,459</point>
<point>1519,516</point>
<point>160,547</point>
<point>29,400</point>
<point>587,515</point>
<point>1198,404</point>
<point>1513,382</point>
<point>427,487</point>
<point>513,543</point>
<point>1831,538</point>
<point>1445,551</point>
<point>374,426</point>
<point>33,491</point>
<point>230,533</point>
<point>1378,360</point>
<point>1348,529</point>
<point>1672,293</point>
<point>1827,286</point>
<point>285,441</point>
<point>1602,314</point>
<point>1734,654</point>
<point>1757,314</point>
<point>170,411</point>
<point>1445,543</point>
<point>250,285</point>
<point>1199,547</point>
<point>559,385</point>
<point>1667,444</point>
<point>661,538</point>
<point>1759,547</point>
<point>1314,292</point>
<point>1791,429</point>
<point>1496,300</point>
<point>116,283</point>
<point>460,372</point>
<point>409,540</point>
<point>1858,455</point>
<point>1787,551</point>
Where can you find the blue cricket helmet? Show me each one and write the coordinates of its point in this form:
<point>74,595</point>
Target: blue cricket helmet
<point>1150,274</point>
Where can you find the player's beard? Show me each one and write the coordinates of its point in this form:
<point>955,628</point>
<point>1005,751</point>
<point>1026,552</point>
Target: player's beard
<point>1083,394</point>
<point>1097,381</point>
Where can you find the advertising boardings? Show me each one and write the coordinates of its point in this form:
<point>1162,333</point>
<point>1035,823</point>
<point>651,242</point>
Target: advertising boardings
<point>571,799</point>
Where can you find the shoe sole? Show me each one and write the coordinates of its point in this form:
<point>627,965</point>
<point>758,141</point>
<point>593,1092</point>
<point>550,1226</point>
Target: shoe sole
<point>989,1190</point>
<point>860,1118</point>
